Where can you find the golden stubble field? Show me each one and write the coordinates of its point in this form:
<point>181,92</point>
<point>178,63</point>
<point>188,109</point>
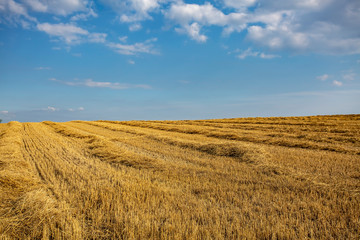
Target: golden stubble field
<point>243,178</point>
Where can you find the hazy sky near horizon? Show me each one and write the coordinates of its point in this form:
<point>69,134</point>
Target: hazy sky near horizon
<point>178,59</point>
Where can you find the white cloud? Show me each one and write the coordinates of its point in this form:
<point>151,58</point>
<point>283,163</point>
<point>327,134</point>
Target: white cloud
<point>4,112</point>
<point>60,7</point>
<point>14,7</point>
<point>131,11</point>
<point>15,13</point>
<point>323,77</point>
<point>93,84</point>
<point>349,76</point>
<point>97,37</point>
<point>191,17</point>
<point>250,53</point>
<point>337,83</point>
<point>239,4</point>
<point>321,26</point>
<point>135,27</point>
<point>278,37</point>
<point>79,109</point>
<point>36,5</point>
<point>131,62</point>
<point>193,31</point>
<point>133,49</point>
<point>247,53</point>
<point>84,16</point>
<point>318,26</point>
<point>123,39</point>
<point>70,33</point>
<point>43,68</point>
<point>67,32</point>
<point>204,14</point>
<point>51,109</point>
<point>268,56</point>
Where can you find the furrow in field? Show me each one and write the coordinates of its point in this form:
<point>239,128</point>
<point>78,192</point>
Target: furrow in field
<point>3,128</point>
<point>101,148</point>
<point>341,133</point>
<point>100,197</point>
<point>170,158</point>
<point>62,170</point>
<point>332,120</point>
<point>146,139</point>
<point>194,182</point>
<point>238,136</point>
<point>319,124</point>
<point>114,181</point>
<point>80,171</point>
<point>28,208</point>
<point>231,179</point>
<point>242,152</point>
<point>344,137</point>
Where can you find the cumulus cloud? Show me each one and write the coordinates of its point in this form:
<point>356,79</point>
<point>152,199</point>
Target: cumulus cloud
<point>135,27</point>
<point>202,14</point>
<point>323,77</point>
<point>70,33</point>
<point>250,53</point>
<point>318,26</point>
<point>322,26</point>
<point>66,32</point>
<point>97,37</point>
<point>337,83</point>
<point>13,7</point>
<point>134,49</point>
<point>278,38</point>
<point>59,7</point>
<point>84,16</point>
<point>93,84</point>
<point>326,26</point>
<point>15,13</point>
<point>247,53</point>
<point>191,17</point>
<point>193,31</point>
<point>131,11</point>
<point>239,4</point>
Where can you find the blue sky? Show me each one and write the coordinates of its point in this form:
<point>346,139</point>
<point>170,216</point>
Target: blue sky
<point>177,59</point>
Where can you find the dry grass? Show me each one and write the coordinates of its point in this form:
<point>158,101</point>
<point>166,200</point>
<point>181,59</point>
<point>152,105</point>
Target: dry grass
<point>251,178</point>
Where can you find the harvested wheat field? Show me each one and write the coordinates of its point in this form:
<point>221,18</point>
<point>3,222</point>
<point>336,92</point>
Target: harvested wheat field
<point>241,178</point>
